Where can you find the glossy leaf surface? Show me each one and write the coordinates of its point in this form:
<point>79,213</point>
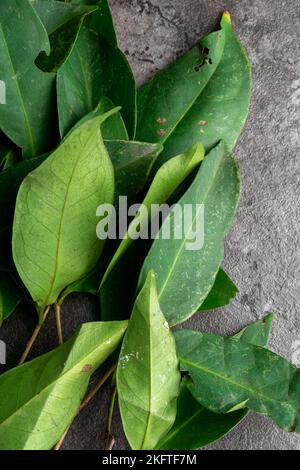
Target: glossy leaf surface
<point>185,274</point>
<point>147,376</point>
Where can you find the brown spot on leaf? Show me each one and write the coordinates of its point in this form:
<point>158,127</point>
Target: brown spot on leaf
<point>162,132</point>
<point>162,121</point>
<point>87,368</point>
<point>202,123</point>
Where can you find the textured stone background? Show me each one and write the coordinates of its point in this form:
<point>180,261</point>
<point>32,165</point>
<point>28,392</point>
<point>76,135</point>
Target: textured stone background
<point>262,251</point>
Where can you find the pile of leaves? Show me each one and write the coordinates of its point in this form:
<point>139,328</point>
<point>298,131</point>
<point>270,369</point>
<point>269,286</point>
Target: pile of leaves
<point>75,134</point>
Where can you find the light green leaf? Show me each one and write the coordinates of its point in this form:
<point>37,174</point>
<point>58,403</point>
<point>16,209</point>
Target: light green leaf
<point>196,426</point>
<point>27,117</point>
<point>10,296</point>
<point>228,372</point>
<point>167,179</point>
<point>94,68</point>
<point>54,235</point>
<point>40,398</point>
<point>147,375</point>
<point>221,294</point>
<point>185,276</point>
<point>217,112</point>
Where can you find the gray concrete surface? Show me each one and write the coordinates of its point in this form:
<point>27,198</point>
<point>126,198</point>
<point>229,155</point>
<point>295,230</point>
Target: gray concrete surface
<point>262,250</point>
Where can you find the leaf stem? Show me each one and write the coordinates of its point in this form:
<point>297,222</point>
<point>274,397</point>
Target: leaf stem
<point>86,401</point>
<point>110,438</point>
<point>57,310</point>
<point>33,338</point>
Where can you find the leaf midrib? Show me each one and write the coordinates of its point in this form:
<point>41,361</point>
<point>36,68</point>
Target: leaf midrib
<point>172,268</point>
<point>234,383</point>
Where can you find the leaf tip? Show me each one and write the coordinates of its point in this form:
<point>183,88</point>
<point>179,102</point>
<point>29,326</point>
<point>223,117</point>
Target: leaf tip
<point>227,16</point>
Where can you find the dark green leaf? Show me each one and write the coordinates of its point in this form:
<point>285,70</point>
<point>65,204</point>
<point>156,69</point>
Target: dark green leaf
<point>217,112</point>
<point>229,373</point>
<point>221,294</point>
<point>186,276</point>
<point>10,296</point>
<point>196,426</point>
<point>40,398</point>
<point>147,376</point>
<point>165,100</point>
<point>54,236</point>
<point>224,104</point>
<point>27,117</point>
<point>101,22</point>
<point>55,14</point>
<point>94,68</point>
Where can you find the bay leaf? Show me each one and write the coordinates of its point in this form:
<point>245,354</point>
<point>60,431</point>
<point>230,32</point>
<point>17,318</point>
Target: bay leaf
<point>185,276</point>
<point>94,68</point>
<point>40,398</point>
<point>230,373</point>
<point>147,375</point>
<point>29,116</point>
<point>195,426</point>
<point>54,232</point>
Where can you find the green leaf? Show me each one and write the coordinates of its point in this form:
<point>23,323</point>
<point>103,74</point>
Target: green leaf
<point>10,296</point>
<point>147,375</point>
<point>27,117</point>
<point>257,333</point>
<point>221,294</point>
<point>217,112</point>
<point>8,157</point>
<point>132,163</point>
<point>55,14</point>
<point>114,127</point>
<point>101,22</point>
<point>224,103</point>
<point>166,99</point>
<point>196,426</point>
<point>10,181</point>
<point>40,398</point>
<point>54,236</point>
<point>185,276</point>
<point>228,373</point>
<point>61,43</point>
<point>167,179</point>
<point>85,77</point>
